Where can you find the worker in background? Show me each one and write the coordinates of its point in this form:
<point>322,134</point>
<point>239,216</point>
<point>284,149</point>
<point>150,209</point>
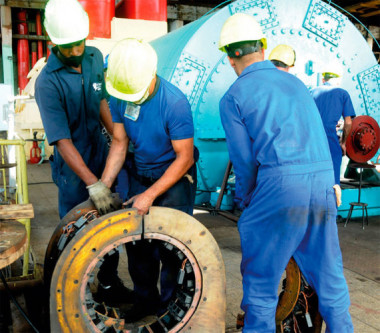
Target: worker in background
<point>334,103</point>
<point>156,118</point>
<point>70,95</point>
<point>283,57</point>
<point>284,180</point>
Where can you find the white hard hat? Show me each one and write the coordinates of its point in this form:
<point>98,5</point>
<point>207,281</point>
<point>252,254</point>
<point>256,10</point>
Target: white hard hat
<point>240,27</point>
<point>283,53</point>
<point>66,21</point>
<point>132,65</point>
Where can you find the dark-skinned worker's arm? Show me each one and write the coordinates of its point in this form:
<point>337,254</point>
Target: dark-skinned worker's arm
<point>100,192</point>
<point>184,150</point>
<point>345,133</point>
<point>105,116</point>
<point>75,161</point>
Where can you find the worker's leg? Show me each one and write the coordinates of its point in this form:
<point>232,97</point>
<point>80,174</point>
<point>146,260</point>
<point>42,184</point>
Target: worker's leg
<point>144,264</point>
<point>181,197</point>
<point>336,155</point>
<point>270,230</point>
<point>320,259</point>
<point>71,192</point>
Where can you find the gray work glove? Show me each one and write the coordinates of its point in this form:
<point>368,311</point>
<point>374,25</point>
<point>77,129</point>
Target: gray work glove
<point>102,198</point>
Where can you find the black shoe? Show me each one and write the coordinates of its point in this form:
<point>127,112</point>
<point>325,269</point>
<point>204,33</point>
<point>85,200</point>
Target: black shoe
<point>138,312</point>
<point>114,294</point>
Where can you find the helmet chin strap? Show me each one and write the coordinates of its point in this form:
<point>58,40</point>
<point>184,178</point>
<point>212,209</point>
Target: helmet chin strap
<point>144,98</point>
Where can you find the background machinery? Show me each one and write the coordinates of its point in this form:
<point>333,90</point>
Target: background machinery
<point>320,35</point>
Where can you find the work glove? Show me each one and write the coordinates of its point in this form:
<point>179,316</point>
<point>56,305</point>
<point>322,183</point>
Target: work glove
<point>338,194</point>
<point>102,198</point>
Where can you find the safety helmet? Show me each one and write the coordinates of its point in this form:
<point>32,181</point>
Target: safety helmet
<point>331,75</point>
<point>283,53</point>
<point>66,21</point>
<point>240,27</point>
<point>132,65</point>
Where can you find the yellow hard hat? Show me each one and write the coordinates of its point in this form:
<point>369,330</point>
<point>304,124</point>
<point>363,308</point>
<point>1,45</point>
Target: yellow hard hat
<point>66,21</point>
<point>283,53</point>
<point>331,75</point>
<point>240,27</point>
<point>132,65</point>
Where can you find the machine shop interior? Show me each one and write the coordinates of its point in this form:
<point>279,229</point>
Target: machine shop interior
<point>49,265</point>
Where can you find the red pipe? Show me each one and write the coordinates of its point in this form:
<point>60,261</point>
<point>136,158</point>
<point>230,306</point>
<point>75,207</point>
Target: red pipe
<point>154,10</point>
<point>34,53</point>
<point>40,50</point>
<point>22,51</point>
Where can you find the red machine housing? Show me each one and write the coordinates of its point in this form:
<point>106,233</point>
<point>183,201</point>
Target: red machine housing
<point>154,10</point>
<point>100,13</point>
<point>364,139</point>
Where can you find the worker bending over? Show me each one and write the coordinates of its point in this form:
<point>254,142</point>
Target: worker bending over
<point>70,93</point>
<point>333,103</point>
<point>155,117</point>
<point>284,182</point>
<point>283,57</point>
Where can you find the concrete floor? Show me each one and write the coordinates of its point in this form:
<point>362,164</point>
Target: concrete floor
<point>360,248</point>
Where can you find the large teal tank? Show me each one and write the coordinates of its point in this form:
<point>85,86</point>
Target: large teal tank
<point>322,38</point>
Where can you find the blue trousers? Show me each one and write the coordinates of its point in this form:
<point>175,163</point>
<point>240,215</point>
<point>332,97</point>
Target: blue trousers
<point>71,189</point>
<point>144,257</point>
<point>336,155</point>
<point>292,212</point>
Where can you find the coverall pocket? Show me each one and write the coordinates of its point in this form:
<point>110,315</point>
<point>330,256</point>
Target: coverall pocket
<point>331,203</point>
<point>54,170</point>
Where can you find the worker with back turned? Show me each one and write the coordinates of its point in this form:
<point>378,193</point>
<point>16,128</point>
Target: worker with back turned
<point>284,182</point>
<point>334,103</point>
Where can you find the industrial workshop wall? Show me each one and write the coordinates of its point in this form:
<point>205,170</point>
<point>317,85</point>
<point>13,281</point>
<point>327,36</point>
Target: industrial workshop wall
<point>320,35</point>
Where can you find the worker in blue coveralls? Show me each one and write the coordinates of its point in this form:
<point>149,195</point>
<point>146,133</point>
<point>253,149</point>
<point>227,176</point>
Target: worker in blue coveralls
<point>284,180</point>
<point>156,118</point>
<point>70,95</point>
<point>333,103</point>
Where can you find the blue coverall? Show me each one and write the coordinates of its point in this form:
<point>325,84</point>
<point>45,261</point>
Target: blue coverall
<point>164,117</point>
<point>333,103</point>
<point>284,179</point>
<point>69,103</point>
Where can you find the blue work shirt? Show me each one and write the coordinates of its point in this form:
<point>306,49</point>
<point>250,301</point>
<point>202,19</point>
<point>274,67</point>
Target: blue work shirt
<point>163,118</point>
<point>270,121</point>
<point>333,103</point>
<point>69,101</point>
<point>69,104</point>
